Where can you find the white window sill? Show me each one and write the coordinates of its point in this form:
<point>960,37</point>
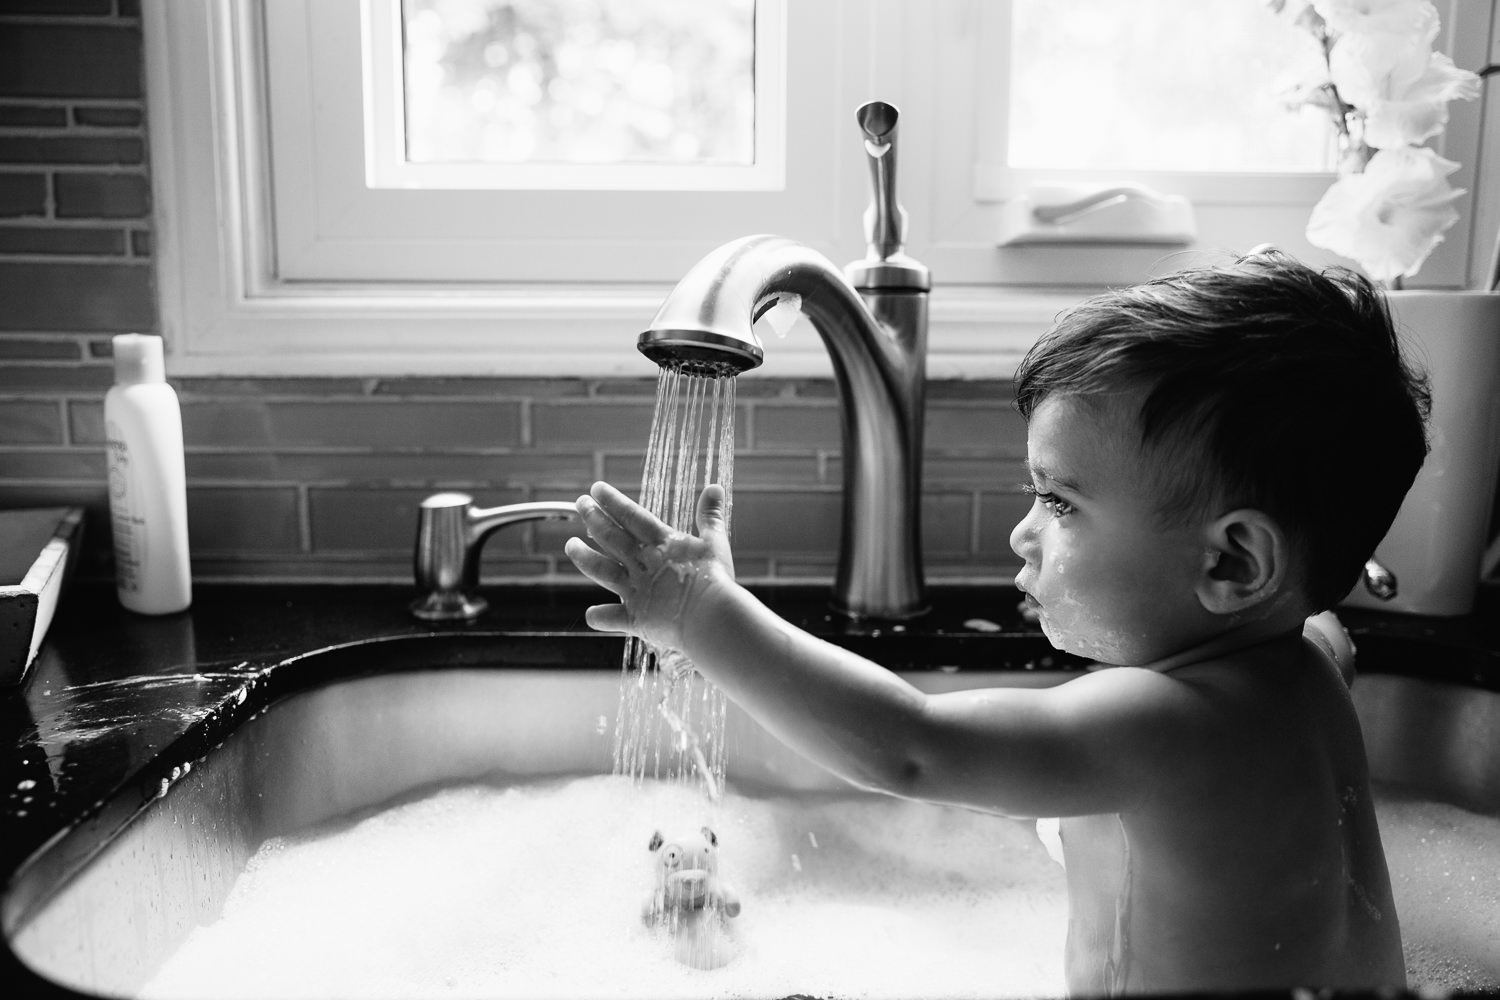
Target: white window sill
<point>560,332</point>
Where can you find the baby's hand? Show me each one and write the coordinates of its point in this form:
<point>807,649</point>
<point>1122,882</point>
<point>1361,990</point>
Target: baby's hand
<point>659,574</point>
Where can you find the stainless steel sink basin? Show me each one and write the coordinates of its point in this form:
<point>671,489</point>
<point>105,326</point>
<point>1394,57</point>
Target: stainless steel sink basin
<point>420,712</point>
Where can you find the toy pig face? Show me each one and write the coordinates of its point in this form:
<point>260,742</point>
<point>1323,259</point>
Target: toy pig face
<point>693,853</point>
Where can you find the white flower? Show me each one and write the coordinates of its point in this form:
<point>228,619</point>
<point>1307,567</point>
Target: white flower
<point>1387,91</point>
<point>1410,18</point>
<point>1366,66</point>
<point>1420,110</point>
<point>1402,86</point>
<point>1389,218</point>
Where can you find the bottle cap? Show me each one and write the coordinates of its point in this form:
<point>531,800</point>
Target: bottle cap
<point>138,358</point>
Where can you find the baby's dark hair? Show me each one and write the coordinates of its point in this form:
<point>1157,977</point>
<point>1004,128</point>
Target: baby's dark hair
<point>1263,383</point>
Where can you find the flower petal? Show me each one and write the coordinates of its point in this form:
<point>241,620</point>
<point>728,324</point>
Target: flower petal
<point>1394,124</point>
<point>1410,18</point>
<point>1391,217</point>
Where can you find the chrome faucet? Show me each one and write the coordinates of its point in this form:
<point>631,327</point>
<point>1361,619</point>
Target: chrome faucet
<point>450,536</point>
<point>872,319</point>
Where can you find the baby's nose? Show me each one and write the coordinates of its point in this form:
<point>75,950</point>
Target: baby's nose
<point>1023,538</point>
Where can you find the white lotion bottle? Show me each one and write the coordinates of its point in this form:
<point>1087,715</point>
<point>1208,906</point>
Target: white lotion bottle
<point>147,481</point>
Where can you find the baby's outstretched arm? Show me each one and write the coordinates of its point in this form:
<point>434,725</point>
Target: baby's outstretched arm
<point>678,591</point>
<point>1084,747</point>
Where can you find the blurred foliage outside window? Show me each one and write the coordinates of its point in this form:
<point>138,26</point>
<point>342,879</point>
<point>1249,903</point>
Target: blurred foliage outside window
<point>1173,85</point>
<point>580,81</point>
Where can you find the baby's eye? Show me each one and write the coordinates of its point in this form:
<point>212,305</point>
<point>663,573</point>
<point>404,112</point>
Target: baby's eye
<point>1054,503</point>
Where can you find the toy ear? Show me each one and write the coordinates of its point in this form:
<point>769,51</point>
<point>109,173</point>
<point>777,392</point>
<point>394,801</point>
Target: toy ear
<point>656,841</point>
<point>713,839</point>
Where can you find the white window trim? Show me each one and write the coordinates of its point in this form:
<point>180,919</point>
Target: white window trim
<point>225,310</point>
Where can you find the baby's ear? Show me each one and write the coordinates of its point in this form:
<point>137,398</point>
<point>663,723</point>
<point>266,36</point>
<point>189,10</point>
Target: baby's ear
<point>1245,562</point>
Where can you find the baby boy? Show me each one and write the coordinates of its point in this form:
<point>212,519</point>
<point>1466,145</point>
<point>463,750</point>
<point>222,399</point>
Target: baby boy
<point>1213,456</point>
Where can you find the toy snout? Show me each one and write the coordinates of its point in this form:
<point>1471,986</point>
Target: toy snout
<point>687,889</point>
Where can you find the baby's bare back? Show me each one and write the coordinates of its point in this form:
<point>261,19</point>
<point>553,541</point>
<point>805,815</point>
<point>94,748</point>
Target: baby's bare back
<point>1258,864</point>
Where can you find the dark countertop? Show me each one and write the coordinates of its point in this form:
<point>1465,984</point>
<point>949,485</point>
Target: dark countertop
<point>118,703</point>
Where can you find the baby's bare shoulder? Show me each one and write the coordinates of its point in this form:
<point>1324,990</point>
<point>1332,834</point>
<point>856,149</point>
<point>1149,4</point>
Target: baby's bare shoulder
<point>1326,634</point>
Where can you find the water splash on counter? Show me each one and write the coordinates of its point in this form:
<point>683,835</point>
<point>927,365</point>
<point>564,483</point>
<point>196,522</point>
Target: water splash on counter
<point>112,725</point>
<point>76,713</point>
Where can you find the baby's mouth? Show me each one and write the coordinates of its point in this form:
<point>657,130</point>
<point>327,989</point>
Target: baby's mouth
<point>1030,608</point>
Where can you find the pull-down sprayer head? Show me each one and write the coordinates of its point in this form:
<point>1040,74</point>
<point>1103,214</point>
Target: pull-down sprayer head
<point>706,324</point>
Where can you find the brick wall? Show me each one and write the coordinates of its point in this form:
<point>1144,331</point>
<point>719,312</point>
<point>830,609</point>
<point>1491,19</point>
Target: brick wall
<point>320,478</point>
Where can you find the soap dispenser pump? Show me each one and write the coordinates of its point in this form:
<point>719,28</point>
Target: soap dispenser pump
<point>147,481</point>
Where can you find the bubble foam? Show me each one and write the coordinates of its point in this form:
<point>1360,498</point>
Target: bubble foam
<point>536,891</point>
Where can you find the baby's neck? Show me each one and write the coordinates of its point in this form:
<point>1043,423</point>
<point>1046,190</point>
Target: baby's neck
<point>1262,633</point>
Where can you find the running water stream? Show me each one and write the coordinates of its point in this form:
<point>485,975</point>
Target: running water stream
<point>670,727</point>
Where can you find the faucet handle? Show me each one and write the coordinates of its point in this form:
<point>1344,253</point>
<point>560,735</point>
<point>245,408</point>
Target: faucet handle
<point>885,219</point>
<point>886,264</point>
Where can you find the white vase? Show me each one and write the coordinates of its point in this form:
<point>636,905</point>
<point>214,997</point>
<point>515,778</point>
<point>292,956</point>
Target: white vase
<point>1437,542</point>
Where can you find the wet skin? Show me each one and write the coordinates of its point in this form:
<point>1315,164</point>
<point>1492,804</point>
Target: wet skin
<point>1216,771</point>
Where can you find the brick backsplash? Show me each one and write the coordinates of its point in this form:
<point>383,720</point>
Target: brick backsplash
<point>320,478</point>
<point>323,479</point>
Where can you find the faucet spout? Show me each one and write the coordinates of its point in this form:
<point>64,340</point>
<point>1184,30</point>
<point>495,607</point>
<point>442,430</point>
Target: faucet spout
<point>872,318</point>
<point>877,342</point>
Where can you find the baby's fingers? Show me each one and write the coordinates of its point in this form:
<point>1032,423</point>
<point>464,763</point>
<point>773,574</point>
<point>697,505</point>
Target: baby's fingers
<point>603,570</point>
<point>604,530</point>
<point>629,515</point>
<point>608,618</point>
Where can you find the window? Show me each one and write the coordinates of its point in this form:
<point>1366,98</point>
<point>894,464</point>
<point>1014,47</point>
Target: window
<point>511,186</point>
<point>1101,85</point>
<point>586,94</point>
<point>350,202</point>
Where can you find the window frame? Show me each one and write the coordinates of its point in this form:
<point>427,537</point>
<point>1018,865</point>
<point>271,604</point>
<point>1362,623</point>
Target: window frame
<point>234,303</point>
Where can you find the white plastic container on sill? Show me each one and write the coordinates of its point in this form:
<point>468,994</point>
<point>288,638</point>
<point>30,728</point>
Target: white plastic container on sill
<point>1436,545</point>
<point>147,481</point>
